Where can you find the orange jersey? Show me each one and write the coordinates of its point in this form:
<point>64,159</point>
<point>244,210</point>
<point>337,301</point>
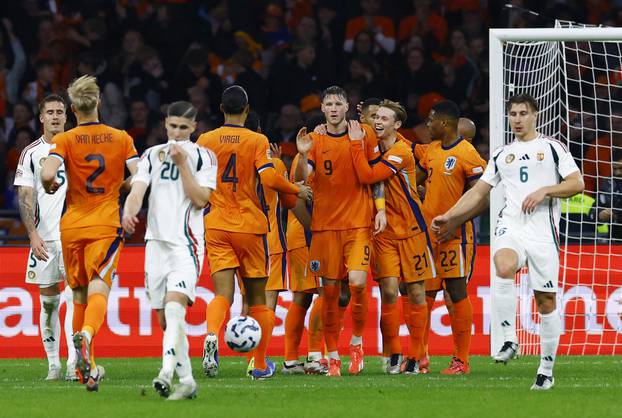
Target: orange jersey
<point>95,156</point>
<point>340,201</point>
<point>418,150</point>
<point>450,169</point>
<point>276,236</point>
<point>296,235</point>
<point>397,170</point>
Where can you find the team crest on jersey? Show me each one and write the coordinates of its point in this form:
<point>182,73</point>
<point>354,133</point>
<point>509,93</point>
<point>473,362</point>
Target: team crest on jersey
<point>314,265</point>
<point>41,161</point>
<point>161,155</point>
<point>509,158</point>
<point>540,156</point>
<point>450,163</point>
<point>32,275</point>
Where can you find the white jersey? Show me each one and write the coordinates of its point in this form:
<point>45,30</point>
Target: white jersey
<point>524,167</point>
<point>172,217</point>
<point>48,207</point>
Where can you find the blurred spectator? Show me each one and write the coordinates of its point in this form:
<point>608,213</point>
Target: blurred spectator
<point>598,156</point>
<point>362,71</point>
<point>129,54</point>
<point>426,23</point>
<point>23,137</point>
<point>10,78</point>
<point>22,119</point>
<point>381,26</point>
<point>139,123</point>
<point>194,72</point>
<point>220,31</point>
<point>418,76</point>
<point>274,31</point>
<point>287,125</point>
<point>43,85</point>
<point>149,80</point>
<point>610,198</point>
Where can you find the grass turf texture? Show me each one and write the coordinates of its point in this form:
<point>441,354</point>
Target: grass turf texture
<point>587,386</point>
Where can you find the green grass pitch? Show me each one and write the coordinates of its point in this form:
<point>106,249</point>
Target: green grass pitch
<point>587,386</point>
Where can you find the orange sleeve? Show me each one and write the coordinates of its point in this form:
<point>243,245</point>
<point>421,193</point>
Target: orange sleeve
<point>406,27</point>
<point>59,146</point>
<point>353,27</point>
<point>130,150</point>
<point>372,150</point>
<point>387,27</point>
<point>422,163</point>
<point>365,173</point>
<point>473,165</point>
<point>288,200</point>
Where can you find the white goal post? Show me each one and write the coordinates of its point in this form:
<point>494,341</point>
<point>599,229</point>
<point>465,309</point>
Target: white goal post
<point>535,61</point>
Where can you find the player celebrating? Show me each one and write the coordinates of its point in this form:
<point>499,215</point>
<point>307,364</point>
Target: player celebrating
<point>404,248</point>
<point>95,156</point>
<point>341,227</point>
<point>451,165</point>
<point>236,226</point>
<point>182,176</point>
<point>530,168</point>
<point>40,214</point>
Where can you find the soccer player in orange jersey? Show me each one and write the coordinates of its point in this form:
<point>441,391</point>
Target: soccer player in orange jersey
<point>341,225</point>
<point>95,157</point>
<point>451,166</point>
<point>404,248</point>
<point>236,225</point>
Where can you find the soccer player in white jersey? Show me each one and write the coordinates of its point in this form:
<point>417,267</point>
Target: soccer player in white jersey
<point>40,213</point>
<point>182,176</point>
<point>536,171</point>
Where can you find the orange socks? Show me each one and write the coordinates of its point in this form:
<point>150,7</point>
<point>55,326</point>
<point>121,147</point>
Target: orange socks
<point>390,327</point>
<point>360,305</point>
<point>406,314</point>
<point>330,318</point>
<point>461,322</point>
<point>316,332</point>
<point>78,316</point>
<point>416,328</point>
<point>294,325</point>
<point>265,317</point>
<point>216,313</point>
<point>95,313</point>
<point>426,333</point>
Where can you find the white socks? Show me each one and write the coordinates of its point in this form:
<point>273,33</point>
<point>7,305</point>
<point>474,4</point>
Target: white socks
<point>49,326</point>
<point>550,329</point>
<point>68,327</point>
<point>175,344</point>
<point>505,303</point>
<point>356,340</point>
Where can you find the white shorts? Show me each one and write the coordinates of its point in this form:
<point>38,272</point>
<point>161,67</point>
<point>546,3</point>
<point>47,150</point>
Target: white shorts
<point>171,268</point>
<point>541,258</point>
<point>46,273</point>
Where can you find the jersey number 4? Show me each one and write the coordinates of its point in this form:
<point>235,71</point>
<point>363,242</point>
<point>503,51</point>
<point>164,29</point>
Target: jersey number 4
<point>230,175</point>
<point>100,169</point>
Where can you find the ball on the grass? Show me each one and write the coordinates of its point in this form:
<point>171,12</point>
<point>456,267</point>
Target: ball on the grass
<point>242,333</point>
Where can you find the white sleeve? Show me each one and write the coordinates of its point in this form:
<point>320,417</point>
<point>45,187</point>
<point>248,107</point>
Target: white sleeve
<point>24,175</point>
<point>491,174</point>
<point>208,172</point>
<point>566,165</point>
<point>143,169</point>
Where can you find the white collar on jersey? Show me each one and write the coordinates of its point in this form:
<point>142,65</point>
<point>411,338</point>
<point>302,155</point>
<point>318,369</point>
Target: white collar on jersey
<point>172,141</point>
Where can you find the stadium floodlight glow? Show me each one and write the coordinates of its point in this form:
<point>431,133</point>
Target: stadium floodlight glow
<point>575,74</point>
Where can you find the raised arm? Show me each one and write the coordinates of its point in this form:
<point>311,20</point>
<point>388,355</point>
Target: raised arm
<point>199,196</point>
<point>366,173</point>
<point>304,144</point>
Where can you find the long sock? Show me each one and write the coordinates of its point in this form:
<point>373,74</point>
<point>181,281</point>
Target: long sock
<point>360,305</point>
<point>390,326</point>
<point>316,330</point>
<point>50,328</point>
<point>418,318</point>
<point>461,322</point>
<point>175,315</point>
<point>294,326</point>
<point>68,326</point>
<point>330,317</point>
<point>426,333</point>
<point>505,302</point>
<point>95,313</point>
<point>216,313</point>
<point>550,329</point>
<point>406,313</point>
<point>265,317</point>
<point>77,319</point>
<point>183,367</point>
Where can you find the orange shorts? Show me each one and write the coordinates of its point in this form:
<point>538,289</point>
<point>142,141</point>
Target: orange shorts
<point>453,259</point>
<point>300,278</point>
<point>91,252</point>
<point>277,280</point>
<point>408,258</point>
<point>229,250</point>
<point>334,253</point>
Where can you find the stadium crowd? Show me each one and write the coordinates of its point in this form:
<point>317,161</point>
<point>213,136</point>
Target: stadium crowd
<point>147,54</point>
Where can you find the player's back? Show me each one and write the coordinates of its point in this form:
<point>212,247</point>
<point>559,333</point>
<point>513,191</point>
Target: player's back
<point>276,236</point>
<point>450,169</point>
<point>95,156</point>
<point>236,203</point>
<point>340,201</point>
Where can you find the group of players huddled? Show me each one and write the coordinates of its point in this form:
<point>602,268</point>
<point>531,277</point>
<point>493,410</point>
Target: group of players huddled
<point>361,198</point>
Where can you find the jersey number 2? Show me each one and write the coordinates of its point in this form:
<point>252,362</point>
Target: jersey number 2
<point>230,175</point>
<point>100,169</point>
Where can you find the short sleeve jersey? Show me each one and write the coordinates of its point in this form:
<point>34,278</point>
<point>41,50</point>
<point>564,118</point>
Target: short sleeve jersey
<point>172,217</point>
<point>48,207</point>
<point>340,201</point>
<point>95,156</point>
<point>236,204</point>
<point>524,167</point>
<point>296,235</point>
<point>276,237</point>
<point>450,169</point>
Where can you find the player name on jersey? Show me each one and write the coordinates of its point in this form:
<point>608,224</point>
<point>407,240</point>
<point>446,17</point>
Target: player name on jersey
<point>93,139</point>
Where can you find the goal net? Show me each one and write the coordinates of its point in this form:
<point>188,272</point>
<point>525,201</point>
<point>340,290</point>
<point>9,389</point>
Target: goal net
<point>575,73</point>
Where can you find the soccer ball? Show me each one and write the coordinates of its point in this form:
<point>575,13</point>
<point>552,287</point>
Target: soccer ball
<point>242,333</point>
